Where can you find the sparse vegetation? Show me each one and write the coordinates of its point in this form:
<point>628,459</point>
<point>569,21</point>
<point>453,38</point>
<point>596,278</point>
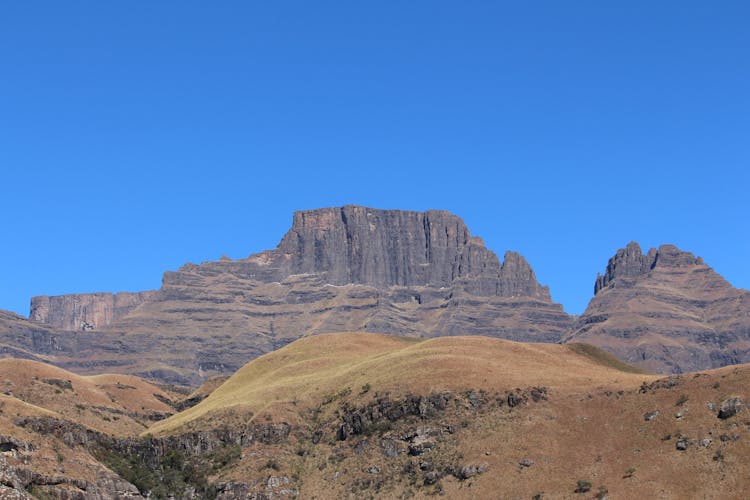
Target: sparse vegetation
<point>159,477</point>
<point>379,427</point>
<point>629,473</point>
<point>583,486</point>
<point>385,360</point>
<point>39,494</point>
<point>684,398</point>
<point>602,357</point>
<point>271,463</point>
<point>225,456</point>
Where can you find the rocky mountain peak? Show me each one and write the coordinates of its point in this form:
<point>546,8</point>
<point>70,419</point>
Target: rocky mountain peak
<point>518,278</point>
<point>630,262</point>
<point>383,248</point>
<point>627,262</point>
<point>86,311</point>
<point>666,311</point>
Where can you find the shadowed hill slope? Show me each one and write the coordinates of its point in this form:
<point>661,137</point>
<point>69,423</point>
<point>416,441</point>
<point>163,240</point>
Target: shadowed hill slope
<point>21,338</point>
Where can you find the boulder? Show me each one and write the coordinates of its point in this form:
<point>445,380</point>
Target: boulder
<point>730,407</point>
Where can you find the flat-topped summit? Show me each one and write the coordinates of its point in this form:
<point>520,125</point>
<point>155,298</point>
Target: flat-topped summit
<point>354,244</point>
<point>385,248</point>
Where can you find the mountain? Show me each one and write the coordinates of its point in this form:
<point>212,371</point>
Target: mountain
<point>666,311</point>
<point>337,269</point>
<point>327,409</point>
<point>413,274</point>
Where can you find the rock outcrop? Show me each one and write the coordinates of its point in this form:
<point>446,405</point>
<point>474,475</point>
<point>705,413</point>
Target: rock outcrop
<point>87,311</point>
<point>666,311</point>
<point>337,269</point>
<point>383,249</point>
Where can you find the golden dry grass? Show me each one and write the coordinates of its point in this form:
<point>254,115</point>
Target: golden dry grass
<point>313,368</point>
<point>592,426</point>
<point>109,403</point>
<point>208,386</point>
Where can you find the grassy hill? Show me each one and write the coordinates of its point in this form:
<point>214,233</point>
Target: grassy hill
<point>315,368</point>
<point>120,405</point>
<point>374,416</point>
<point>360,415</point>
<point>53,422</point>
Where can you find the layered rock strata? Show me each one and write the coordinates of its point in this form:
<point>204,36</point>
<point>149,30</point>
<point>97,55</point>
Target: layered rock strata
<point>666,311</point>
<point>337,269</point>
<point>87,311</point>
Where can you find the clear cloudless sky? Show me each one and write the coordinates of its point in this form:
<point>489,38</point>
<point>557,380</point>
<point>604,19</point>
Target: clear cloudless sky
<point>138,136</point>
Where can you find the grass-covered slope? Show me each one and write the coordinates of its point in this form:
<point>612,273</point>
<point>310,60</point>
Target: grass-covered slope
<point>120,405</point>
<point>372,416</point>
<point>315,368</point>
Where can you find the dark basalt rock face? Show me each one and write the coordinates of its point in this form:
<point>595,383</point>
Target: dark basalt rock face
<point>383,249</point>
<point>666,311</point>
<point>631,262</point>
<point>351,268</point>
<point>628,262</point>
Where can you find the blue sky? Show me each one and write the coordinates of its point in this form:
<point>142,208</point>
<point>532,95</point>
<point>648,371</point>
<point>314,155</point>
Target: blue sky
<point>137,136</point>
